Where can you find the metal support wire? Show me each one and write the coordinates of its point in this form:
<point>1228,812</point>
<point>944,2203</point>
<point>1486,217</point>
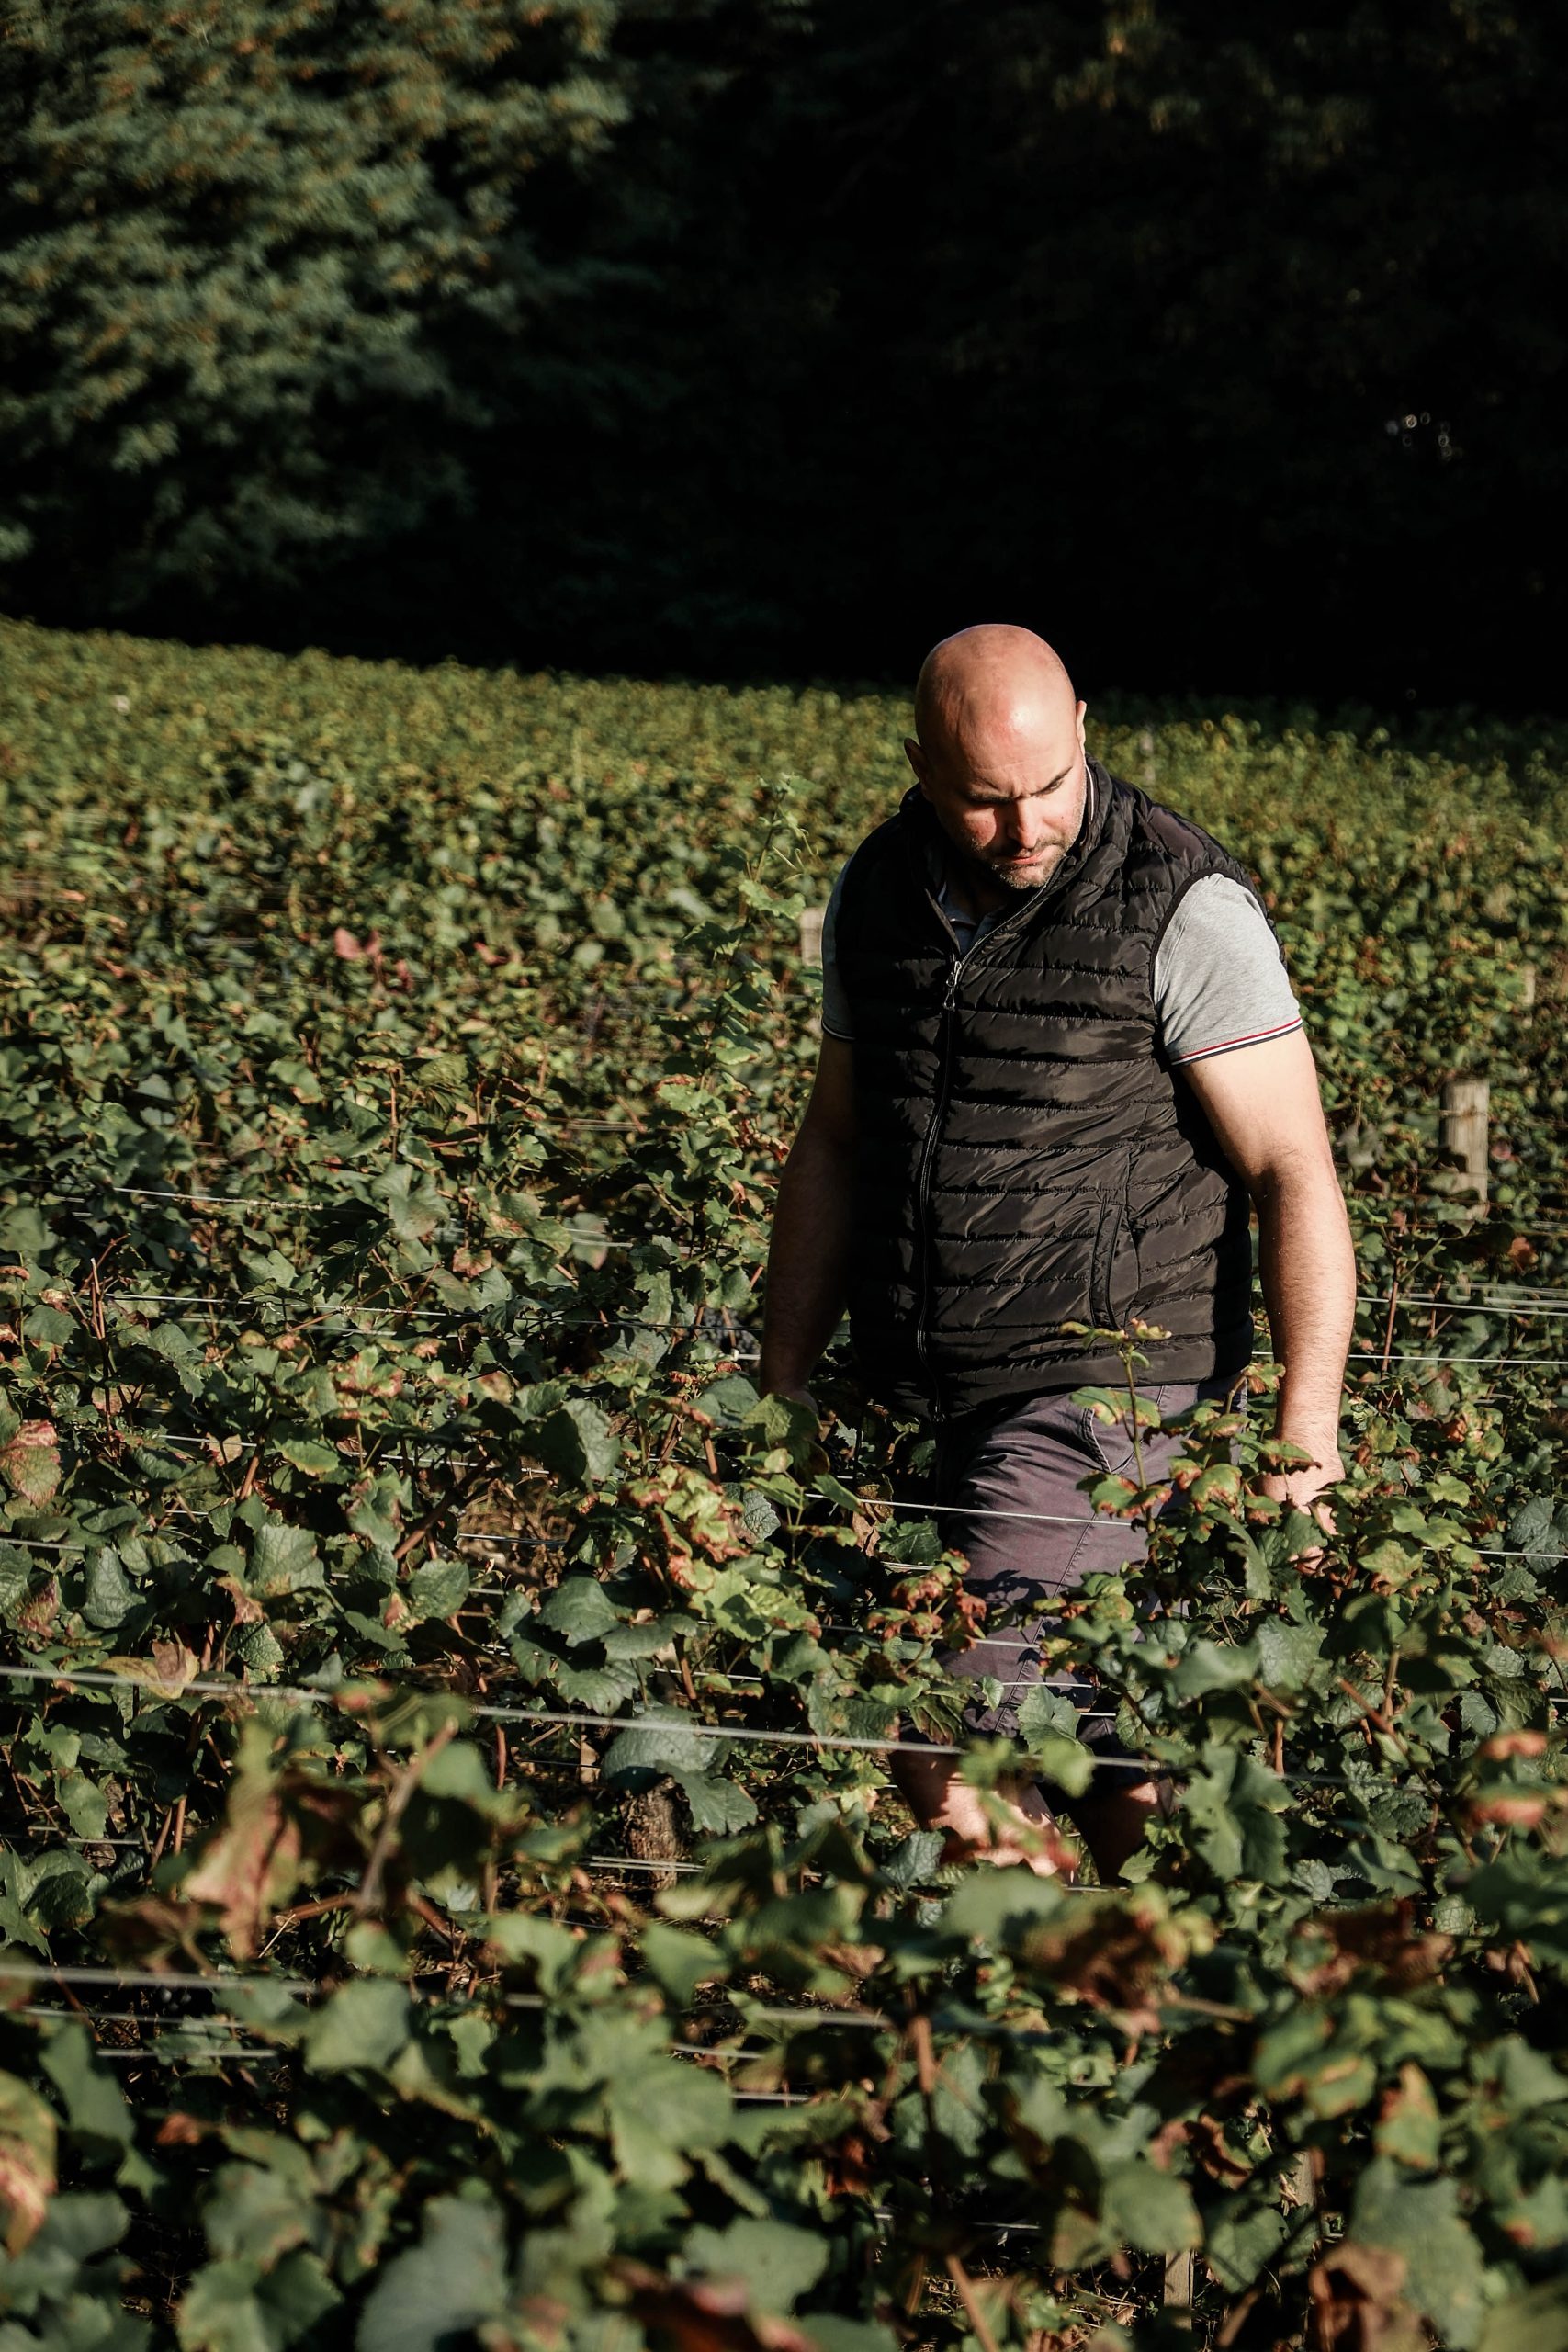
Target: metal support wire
<point>180,1441</point>
<point>1492,1364</point>
<point>294,1201</point>
<point>226,1200</point>
<point>313,1205</point>
<point>349,1313</point>
<point>1541,1305</point>
<point>216,1687</point>
<point>130,2016</point>
<point>1536,1305</point>
<point>1547,1302</point>
<point>678,1333</point>
<point>878,1502</point>
<point>1111,1526</point>
<point>169,1980</point>
<point>227,1687</point>
<point>794,2019</point>
<point>149,2055</point>
<point>37,2011</point>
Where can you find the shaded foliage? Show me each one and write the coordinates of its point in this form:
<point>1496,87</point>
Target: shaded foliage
<point>737,335</point>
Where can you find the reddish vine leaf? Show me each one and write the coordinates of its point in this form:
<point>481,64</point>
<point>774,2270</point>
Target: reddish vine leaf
<point>251,1866</point>
<point>30,1462</point>
<point>27,2163</point>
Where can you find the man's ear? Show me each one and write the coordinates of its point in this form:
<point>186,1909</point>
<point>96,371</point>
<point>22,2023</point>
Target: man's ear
<point>1081,710</point>
<point>918,761</point>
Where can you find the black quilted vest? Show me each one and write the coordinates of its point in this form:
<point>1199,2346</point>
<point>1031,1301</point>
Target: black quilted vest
<point>1026,1157</point>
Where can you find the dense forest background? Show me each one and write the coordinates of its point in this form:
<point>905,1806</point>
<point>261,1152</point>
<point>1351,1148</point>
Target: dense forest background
<point>778,337</point>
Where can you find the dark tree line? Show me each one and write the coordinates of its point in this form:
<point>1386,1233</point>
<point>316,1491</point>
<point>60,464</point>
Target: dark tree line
<point>780,335</point>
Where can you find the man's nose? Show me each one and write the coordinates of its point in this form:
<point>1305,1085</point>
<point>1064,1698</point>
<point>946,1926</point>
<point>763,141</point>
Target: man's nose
<point>1026,826</point>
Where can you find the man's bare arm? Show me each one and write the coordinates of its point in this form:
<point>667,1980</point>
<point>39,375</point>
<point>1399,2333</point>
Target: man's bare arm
<point>809,1253</point>
<point>1264,1106</point>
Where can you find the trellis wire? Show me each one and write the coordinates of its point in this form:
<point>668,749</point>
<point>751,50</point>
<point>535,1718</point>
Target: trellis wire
<point>182,1441</point>
<point>297,1201</point>
<point>805,2019</point>
<point>151,2054</point>
<point>224,2056</point>
<point>1493,1363</point>
<point>213,1686</point>
<point>73,1838</point>
<point>210,1685</point>
<point>677,1331</point>
<point>1542,1304</point>
<point>170,1980</point>
<point>560,1766</point>
<point>155,2053</point>
<point>1531,1305</point>
<point>350,1312</point>
<point>294,1201</point>
<point>230,1200</point>
<point>223,1686</point>
<point>175,1980</point>
<point>130,2016</point>
<point>504,1539</point>
<point>306,1203</point>
<point>1525,1310</point>
<point>1112,1527</point>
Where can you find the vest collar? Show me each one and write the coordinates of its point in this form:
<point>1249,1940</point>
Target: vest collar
<point>930,849</point>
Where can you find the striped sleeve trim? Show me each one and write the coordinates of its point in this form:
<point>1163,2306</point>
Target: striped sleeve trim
<point>1230,1045</point>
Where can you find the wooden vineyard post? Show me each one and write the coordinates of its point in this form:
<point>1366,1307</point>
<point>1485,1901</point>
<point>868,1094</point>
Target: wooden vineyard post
<point>1462,1130</point>
<point>652,1831</point>
<point>811,934</point>
<point>1178,2280</point>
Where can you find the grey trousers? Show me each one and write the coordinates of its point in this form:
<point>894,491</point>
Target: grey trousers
<point>1029,1457</point>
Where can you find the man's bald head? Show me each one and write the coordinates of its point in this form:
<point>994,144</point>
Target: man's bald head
<point>999,752</point>
<point>988,682</point>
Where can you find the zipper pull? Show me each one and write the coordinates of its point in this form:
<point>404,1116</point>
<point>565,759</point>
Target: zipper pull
<point>950,998</point>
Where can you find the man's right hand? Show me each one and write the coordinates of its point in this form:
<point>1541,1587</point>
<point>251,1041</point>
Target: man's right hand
<point>797,1397</point>
<point>808,1256</point>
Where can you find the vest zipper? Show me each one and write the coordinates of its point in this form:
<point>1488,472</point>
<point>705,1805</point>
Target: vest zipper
<point>923,1187</point>
<point>956,962</point>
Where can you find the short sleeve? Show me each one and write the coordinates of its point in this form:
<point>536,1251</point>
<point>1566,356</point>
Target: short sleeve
<point>1220,979</point>
<point>836,1022</point>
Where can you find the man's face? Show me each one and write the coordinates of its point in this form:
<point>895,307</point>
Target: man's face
<point>1009,797</point>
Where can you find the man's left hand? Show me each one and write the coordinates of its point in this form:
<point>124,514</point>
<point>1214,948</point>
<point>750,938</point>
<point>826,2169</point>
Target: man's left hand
<point>1303,1485</point>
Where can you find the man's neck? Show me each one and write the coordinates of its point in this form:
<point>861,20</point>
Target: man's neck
<point>974,893</point>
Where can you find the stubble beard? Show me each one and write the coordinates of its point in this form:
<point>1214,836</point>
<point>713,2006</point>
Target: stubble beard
<point>1018,883</point>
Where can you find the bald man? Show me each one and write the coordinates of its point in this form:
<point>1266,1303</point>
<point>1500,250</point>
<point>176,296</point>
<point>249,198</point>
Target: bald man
<point>1061,1063</point>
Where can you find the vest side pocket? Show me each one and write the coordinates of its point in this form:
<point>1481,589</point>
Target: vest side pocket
<point>1113,1270</point>
<point>1106,1234</point>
